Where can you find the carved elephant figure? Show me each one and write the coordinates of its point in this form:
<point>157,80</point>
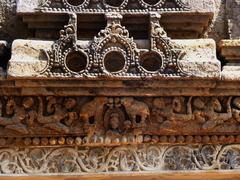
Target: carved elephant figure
<point>92,110</point>
<point>136,109</point>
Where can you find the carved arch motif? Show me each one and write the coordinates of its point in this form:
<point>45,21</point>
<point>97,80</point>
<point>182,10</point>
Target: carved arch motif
<point>114,53</point>
<point>114,39</point>
<point>152,4</point>
<point>77,6</point>
<point>115,4</point>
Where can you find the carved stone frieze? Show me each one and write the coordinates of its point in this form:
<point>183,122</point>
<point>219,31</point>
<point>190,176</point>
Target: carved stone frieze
<point>117,116</point>
<point>144,158</point>
<point>113,5</point>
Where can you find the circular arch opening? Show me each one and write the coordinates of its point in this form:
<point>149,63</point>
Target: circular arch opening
<point>76,61</point>
<point>114,3</point>
<point>114,61</point>
<point>151,2</point>
<point>151,61</point>
<point>75,2</point>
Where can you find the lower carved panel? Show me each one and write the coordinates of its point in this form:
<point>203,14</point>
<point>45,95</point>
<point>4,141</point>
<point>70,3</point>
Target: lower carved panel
<point>118,116</point>
<point>118,159</point>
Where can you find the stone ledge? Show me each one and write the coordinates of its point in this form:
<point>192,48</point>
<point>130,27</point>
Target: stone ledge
<point>28,61</point>
<point>230,50</point>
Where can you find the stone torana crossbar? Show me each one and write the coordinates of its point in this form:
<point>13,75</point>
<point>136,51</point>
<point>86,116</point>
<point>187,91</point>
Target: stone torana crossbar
<point>90,87</point>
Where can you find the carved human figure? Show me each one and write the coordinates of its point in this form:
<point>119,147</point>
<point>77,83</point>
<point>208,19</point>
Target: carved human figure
<point>31,115</point>
<point>172,113</point>
<point>114,124</point>
<point>22,117</point>
<point>91,112</point>
<point>138,111</point>
<point>62,116</point>
<point>167,113</point>
<point>178,106</point>
<point>213,115</point>
<point>198,112</point>
<point>160,110</point>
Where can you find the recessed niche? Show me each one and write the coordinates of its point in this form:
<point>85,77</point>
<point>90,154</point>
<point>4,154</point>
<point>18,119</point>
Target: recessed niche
<point>114,3</point>
<point>114,61</point>
<point>76,61</point>
<point>151,61</point>
<point>151,2</point>
<point>75,2</point>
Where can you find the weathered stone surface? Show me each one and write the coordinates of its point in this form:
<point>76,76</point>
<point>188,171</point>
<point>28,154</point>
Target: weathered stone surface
<point>233,18</point>
<point>200,58</point>
<point>28,60</point>
<point>10,26</point>
<point>230,50</point>
<point>218,29</point>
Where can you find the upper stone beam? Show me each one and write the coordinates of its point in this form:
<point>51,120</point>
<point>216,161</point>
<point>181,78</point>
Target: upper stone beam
<point>124,6</point>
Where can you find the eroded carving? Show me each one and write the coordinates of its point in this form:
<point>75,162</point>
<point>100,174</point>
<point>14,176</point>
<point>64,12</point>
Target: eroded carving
<point>118,116</point>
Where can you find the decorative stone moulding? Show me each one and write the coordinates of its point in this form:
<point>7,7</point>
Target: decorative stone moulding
<point>230,50</point>
<point>145,158</point>
<point>105,5</point>
<point>179,18</point>
<point>114,54</point>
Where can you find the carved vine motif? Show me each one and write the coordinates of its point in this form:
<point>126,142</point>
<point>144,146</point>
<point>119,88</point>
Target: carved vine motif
<point>113,53</point>
<point>119,116</point>
<point>113,5</point>
<point>118,159</point>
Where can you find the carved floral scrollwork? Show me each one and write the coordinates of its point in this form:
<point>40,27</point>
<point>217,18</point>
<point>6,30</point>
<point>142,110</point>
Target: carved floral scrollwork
<point>118,159</point>
<point>179,158</point>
